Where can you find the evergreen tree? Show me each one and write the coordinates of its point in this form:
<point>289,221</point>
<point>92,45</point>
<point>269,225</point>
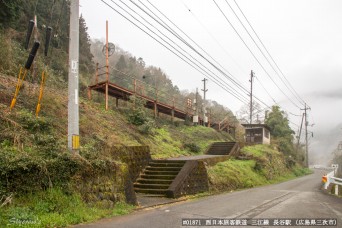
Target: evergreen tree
<point>9,12</point>
<point>121,64</point>
<point>279,124</point>
<point>16,14</point>
<point>86,57</point>
<point>280,130</point>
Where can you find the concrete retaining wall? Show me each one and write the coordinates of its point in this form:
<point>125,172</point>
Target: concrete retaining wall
<point>193,178</point>
<point>105,187</point>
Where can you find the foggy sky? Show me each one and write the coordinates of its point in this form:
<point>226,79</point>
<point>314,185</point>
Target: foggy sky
<point>303,36</point>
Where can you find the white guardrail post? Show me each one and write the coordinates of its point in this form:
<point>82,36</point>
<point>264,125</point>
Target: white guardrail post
<point>337,182</point>
<point>331,179</point>
<point>327,178</point>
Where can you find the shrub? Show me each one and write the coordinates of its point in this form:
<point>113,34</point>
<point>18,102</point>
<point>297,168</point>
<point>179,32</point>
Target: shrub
<point>147,127</point>
<point>138,115</point>
<point>193,147</point>
<point>23,172</point>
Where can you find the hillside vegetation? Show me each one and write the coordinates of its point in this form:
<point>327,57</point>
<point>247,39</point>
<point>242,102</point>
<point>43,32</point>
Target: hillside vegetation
<point>40,178</point>
<point>38,171</point>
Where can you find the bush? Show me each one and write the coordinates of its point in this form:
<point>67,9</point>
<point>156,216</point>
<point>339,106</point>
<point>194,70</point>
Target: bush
<point>138,115</point>
<point>258,166</point>
<point>193,147</point>
<point>147,127</point>
<point>27,171</point>
<point>11,55</point>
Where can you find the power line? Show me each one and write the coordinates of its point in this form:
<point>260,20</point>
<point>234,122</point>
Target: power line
<point>253,54</point>
<point>213,37</point>
<point>254,42</point>
<point>186,43</point>
<point>295,92</point>
<point>265,90</point>
<point>260,50</point>
<point>215,80</point>
<point>206,69</point>
<point>201,69</point>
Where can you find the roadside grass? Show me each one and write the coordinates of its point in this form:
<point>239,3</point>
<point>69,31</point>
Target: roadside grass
<point>234,174</point>
<point>54,208</point>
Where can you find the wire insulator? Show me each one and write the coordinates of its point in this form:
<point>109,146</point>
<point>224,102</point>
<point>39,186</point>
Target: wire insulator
<point>29,33</point>
<point>32,55</point>
<point>47,39</point>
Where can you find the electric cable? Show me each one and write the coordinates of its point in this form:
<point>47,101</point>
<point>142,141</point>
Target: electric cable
<point>213,37</point>
<point>253,54</point>
<point>167,47</point>
<point>261,50</point>
<point>268,51</point>
<point>175,44</point>
<point>168,28</point>
<point>179,37</point>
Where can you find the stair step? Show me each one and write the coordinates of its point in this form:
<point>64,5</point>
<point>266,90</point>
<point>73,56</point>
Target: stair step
<point>153,181</point>
<point>218,143</point>
<point>153,195</point>
<point>169,161</point>
<point>149,168</point>
<point>160,164</point>
<point>148,172</point>
<point>151,191</point>
<point>221,148</point>
<point>164,177</point>
<point>157,177</point>
<point>151,186</point>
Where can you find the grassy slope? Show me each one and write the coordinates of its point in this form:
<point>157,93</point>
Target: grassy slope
<point>264,166</point>
<point>111,127</point>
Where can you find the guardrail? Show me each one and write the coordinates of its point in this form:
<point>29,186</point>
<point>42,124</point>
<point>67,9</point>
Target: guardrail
<point>331,179</point>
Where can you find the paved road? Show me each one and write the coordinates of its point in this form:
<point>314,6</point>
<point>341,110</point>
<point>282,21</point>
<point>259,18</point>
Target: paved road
<point>299,198</point>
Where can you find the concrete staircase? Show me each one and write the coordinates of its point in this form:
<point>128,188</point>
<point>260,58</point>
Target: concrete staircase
<point>223,148</point>
<point>157,177</point>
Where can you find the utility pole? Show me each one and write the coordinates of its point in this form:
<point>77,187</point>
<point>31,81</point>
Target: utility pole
<point>204,92</point>
<point>107,68</point>
<point>251,99</point>
<point>196,103</point>
<point>73,112</point>
<point>306,135</point>
<point>196,99</point>
<point>300,131</point>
